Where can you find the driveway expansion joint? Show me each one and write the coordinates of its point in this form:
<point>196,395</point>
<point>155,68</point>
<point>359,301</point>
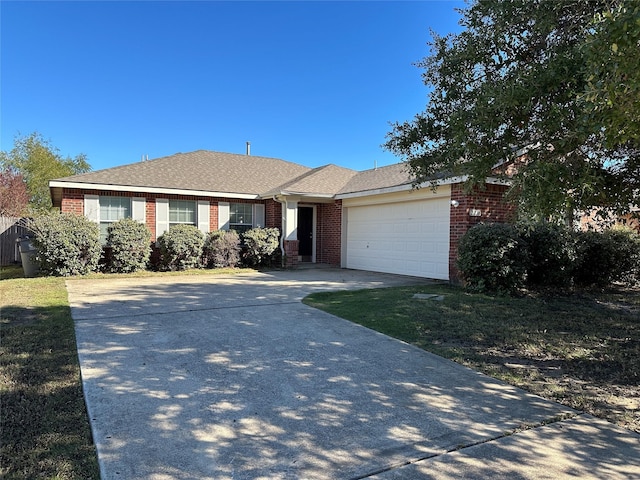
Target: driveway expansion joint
<point>186,310</point>
<point>522,428</point>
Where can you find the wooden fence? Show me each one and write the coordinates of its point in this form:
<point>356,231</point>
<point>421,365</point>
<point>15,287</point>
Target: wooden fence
<point>10,229</point>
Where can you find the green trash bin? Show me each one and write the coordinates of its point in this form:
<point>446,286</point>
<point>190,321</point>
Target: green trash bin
<point>29,257</point>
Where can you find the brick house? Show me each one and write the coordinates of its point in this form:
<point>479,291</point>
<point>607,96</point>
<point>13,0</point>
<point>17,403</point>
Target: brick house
<point>370,220</point>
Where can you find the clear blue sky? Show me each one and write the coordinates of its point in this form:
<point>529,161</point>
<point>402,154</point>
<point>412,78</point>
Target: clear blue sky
<point>309,82</point>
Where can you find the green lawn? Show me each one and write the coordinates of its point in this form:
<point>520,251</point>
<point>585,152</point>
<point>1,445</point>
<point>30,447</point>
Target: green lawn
<point>580,350</point>
<point>45,430</point>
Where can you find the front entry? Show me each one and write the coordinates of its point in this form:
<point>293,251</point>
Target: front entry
<point>305,234</point>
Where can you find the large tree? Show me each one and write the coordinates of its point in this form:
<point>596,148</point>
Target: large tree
<point>523,85</point>
<point>38,161</point>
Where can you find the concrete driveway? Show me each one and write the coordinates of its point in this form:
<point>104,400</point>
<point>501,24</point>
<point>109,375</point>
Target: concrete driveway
<point>231,377</point>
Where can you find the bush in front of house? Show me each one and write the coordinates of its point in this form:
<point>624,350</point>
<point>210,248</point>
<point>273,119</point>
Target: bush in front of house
<point>221,249</point>
<point>552,254</point>
<point>129,242</point>
<point>67,244</point>
<point>260,245</point>
<point>181,247</point>
<point>606,257</point>
<point>493,258</point>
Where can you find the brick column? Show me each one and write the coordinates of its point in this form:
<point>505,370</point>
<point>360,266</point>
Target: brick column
<point>291,252</point>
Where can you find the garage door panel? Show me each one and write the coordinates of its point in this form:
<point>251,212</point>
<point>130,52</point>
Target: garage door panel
<point>410,238</point>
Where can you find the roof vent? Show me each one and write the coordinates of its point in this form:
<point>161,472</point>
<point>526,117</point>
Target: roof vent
<point>248,148</point>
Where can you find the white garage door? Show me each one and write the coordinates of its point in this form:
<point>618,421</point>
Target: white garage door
<point>409,238</point>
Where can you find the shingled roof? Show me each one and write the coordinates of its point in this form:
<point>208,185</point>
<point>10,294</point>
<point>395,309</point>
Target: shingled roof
<point>378,178</point>
<point>213,173</point>
<point>323,181</point>
<point>202,171</point>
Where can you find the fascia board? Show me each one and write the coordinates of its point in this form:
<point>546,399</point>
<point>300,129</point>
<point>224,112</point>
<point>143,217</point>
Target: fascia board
<point>399,188</point>
<point>137,189</point>
<point>405,187</point>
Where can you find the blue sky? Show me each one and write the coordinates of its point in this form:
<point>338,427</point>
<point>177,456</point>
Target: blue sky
<point>309,82</point>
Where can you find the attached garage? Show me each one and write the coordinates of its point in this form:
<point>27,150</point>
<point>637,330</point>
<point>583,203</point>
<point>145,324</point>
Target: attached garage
<point>405,233</point>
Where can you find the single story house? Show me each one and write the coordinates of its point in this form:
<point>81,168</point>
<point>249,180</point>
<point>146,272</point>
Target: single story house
<point>370,220</point>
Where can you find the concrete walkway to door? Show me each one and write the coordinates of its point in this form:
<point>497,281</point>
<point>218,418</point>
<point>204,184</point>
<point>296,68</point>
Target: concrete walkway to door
<point>232,377</point>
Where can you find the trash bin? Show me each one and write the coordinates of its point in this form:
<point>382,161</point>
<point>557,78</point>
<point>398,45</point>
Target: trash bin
<point>29,256</point>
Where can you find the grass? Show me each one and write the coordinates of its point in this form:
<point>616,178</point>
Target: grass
<point>45,431</point>
<point>580,350</point>
<point>45,428</point>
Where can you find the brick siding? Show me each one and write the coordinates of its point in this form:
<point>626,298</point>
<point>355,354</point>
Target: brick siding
<point>489,202</point>
<point>329,233</point>
<point>73,201</point>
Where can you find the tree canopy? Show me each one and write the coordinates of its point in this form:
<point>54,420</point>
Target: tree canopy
<point>549,87</point>
<point>38,162</point>
<point>14,198</point>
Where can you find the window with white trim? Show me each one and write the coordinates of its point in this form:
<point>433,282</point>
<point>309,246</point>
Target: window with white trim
<point>112,209</point>
<point>182,212</point>
<point>240,217</point>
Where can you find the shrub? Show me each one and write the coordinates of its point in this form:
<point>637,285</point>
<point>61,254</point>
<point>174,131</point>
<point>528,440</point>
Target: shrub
<point>67,244</point>
<point>221,249</point>
<point>260,244</point>
<point>551,254</point>
<point>130,246</point>
<point>493,258</point>
<point>181,247</point>
<point>606,257</point>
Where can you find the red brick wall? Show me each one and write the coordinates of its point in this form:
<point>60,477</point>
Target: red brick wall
<point>291,252</point>
<point>328,233</point>
<point>73,201</point>
<point>492,206</point>
<point>273,214</point>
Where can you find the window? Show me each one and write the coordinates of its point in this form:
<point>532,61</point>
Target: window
<point>112,209</point>
<point>240,217</point>
<point>182,211</point>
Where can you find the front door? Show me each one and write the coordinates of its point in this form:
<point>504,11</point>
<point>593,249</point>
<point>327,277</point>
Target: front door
<point>305,233</point>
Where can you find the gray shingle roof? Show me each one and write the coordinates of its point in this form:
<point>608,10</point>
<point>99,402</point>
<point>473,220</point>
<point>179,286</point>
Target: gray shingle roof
<point>200,171</point>
<point>377,178</point>
<point>206,171</point>
<point>326,181</point>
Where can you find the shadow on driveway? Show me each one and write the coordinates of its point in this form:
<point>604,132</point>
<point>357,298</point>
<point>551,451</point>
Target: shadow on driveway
<point>234,378</point>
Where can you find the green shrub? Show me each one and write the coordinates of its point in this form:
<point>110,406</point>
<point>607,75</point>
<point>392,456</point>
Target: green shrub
<point>551,254</point>
<point>181,247</point>
<point>607,257</point>
<point>493,258</point>
<point>129,242</point>
<point>67,244</point>
<point>260,245</point>
<point>221,249</point>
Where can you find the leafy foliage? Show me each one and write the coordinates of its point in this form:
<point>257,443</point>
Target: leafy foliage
<point>13,194</point>
<point>181,247</point>
<point>524,85</point>
<point>221,249</point>
<point>493,257</point>
<point>602,258</point>
<point>67,244</point>
<point>551,254</point>
<point>502,258</point>
<point>39,162</point>
<point>130,246</point>
<point>612,55</point>
<point>261,244</point>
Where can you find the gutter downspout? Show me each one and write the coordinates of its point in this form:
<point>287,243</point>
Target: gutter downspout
<point>284,229</point>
